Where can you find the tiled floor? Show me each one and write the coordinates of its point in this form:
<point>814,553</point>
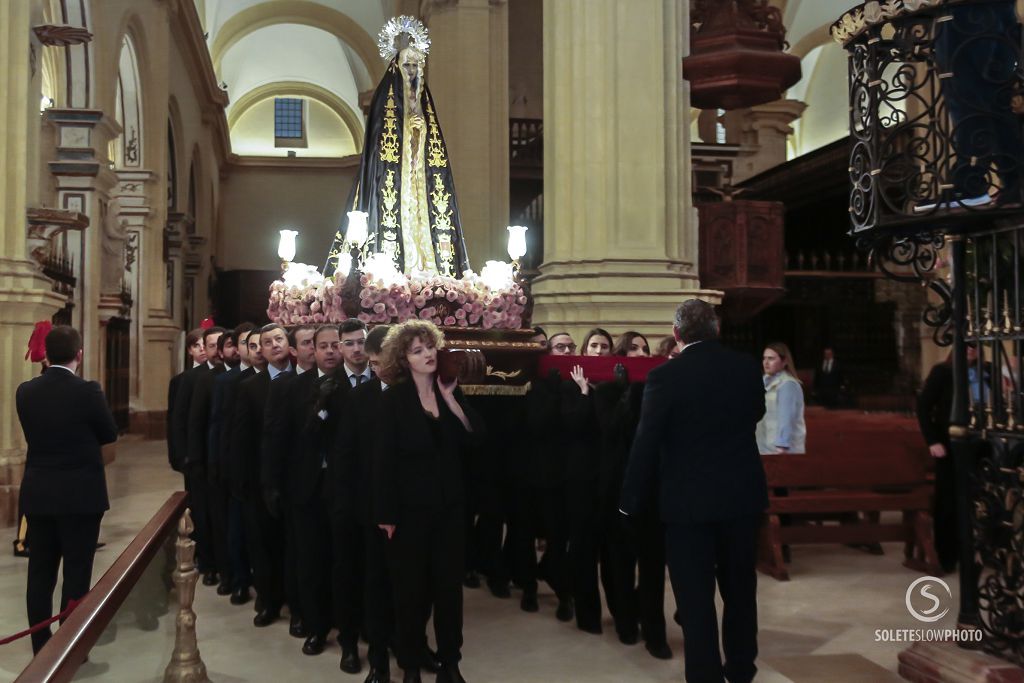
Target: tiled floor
<point>818,627</point>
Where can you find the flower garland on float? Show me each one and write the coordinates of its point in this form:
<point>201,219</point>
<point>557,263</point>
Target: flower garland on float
<point>492,299</point>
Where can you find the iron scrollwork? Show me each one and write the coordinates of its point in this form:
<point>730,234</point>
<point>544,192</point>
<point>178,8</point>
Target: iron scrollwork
<point>936,94</point>
<point>999,533</point>
<point>935,97</point>
<point>913,259</point>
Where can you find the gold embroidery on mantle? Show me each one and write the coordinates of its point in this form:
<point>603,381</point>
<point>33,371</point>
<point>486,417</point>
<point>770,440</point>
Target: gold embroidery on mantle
<point>389,136</point>
<point>388,199</point>
<point>443,229</point>
<point>389,220</point>
<point>435,155</point>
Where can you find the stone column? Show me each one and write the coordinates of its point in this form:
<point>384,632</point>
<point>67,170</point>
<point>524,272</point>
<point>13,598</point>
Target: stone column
<point>467,71</point>
<point>84,181</point>
<point>620,231</point>
<point>764,133</point>
<point>133,193</point>
<point>25,295</point>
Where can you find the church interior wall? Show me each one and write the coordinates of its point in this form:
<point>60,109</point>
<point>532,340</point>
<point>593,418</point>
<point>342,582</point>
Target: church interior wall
<point>526,70</point>
<point>258,201</point>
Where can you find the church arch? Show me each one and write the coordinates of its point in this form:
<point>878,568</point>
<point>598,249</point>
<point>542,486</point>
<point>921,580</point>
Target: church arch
<point>306,13</point>
<point>352,119</point>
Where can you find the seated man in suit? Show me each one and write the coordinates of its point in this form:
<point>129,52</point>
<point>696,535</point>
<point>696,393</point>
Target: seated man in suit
<point>66,420</point>
<point>695,453</point>
<point>829,383</point>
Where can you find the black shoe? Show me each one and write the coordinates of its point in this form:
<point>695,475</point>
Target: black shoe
<point>379,675</point>
<point>266,617</point>
<point>296,629</point>
<point>529,602</point>
<point>565,611</point>
<point>411,676</point>
<point>350,663</point>
<point>589,628</point>
<point>499,590</point>
<point>450,673</point>
<point>628,637</point>
<point>210,579</point>
<point>471,580</point>
<point>429,661</point>
<point>659,650</point>
<point>314,645</point>
<point>240,596</point>
<point>223,588</point>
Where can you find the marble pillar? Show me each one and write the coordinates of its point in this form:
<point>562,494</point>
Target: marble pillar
<point>620,243</point>
<point>764,135</point>
<point>25,295</point>
<point>467,71</point>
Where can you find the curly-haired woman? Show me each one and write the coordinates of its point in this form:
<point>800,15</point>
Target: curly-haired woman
<point>419,493</point>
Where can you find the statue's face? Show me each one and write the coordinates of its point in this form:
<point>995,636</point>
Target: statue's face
<point>411,60</point>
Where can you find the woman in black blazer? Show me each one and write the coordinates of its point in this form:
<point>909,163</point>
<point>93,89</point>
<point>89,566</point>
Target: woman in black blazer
<point>419,494</point>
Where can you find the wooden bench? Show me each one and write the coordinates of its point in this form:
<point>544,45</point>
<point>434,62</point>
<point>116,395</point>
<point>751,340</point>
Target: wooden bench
<point>853,468</point>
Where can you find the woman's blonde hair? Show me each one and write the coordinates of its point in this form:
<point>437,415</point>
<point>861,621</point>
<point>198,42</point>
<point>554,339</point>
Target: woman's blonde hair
<point>788,364</point>
<point>393,365</point>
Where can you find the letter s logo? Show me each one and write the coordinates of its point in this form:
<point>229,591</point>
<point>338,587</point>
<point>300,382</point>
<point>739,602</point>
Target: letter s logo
<point>929,615</point>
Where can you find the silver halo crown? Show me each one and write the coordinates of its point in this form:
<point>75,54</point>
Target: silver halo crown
<point>395,27</point>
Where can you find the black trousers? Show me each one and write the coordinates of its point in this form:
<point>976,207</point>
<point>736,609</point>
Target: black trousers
<point>944,512</point>
<point>311,534</point>
<point>71,538</point>
<point>490,533</point>
<point>198,489</point>
<point>219,500</point>
<point>540,513</point>
<point>241,571</point>
<point>347,574</point>
<point>638,574</point>
<point>379,607</point>
<point>584,552</point>
<point>698,556</point>
<point>264,540</point>
<point>292,594</point>
<point>426,560</point>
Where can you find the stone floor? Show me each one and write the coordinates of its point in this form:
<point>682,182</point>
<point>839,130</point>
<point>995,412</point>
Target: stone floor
<point>820,626</point>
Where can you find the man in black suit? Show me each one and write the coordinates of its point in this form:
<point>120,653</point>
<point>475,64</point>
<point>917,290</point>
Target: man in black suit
<point>300,432</point>
<point>190,423</point>
<point>696,454</point>
<point>197,356</point>
<point>225,387</point>
<point>227,350</point>
<point>274,451</point>
<point>64,491</point>
<point>829,383</point>
<point>263,531</point>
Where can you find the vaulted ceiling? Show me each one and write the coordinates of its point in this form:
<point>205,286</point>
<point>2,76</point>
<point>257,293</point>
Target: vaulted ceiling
<point>321,51</point>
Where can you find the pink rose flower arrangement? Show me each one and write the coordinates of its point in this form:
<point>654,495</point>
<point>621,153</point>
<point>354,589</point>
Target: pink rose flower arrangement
<point>466,302</point>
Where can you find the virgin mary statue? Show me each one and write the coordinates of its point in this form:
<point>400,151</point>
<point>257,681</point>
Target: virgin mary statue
<point>405,181</point>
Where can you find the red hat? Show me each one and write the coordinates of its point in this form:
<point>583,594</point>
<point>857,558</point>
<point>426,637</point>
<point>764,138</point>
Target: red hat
<point>37,342</point>
<point>206,324</point>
